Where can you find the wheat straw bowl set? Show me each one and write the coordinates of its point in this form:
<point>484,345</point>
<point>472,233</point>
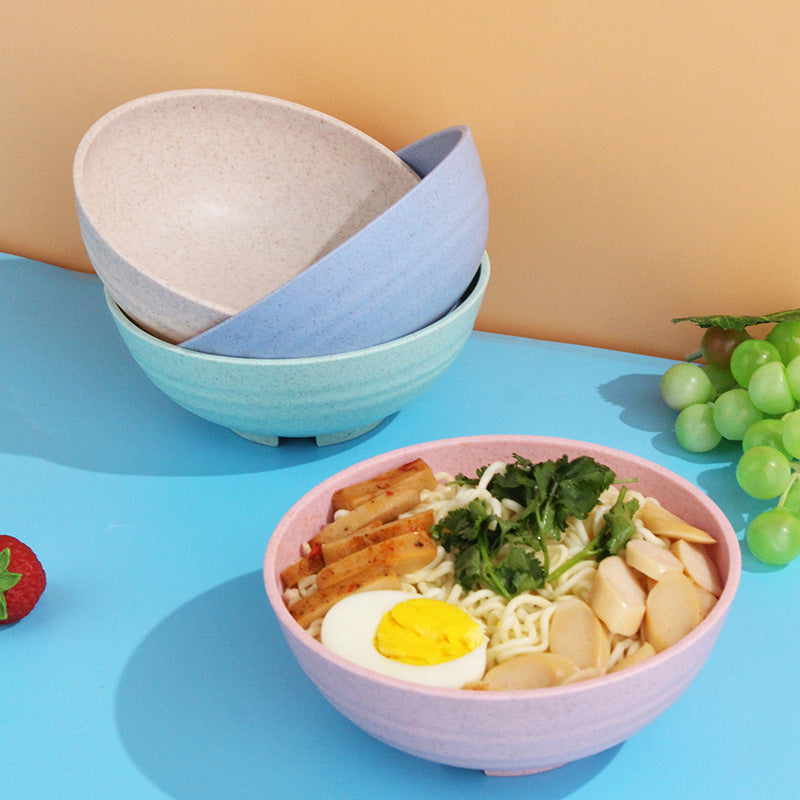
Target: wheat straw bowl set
<point>278,272</point>
<point>275,270</point>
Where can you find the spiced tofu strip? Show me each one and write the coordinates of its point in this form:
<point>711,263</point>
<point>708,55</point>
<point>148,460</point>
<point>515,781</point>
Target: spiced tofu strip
<point>313,606</point>
<point>412,475</point>
<point>333,551</point>
<point>382,508</point>
<point>314,560</point>
<point>372,533</point>
<point>399,555</point>
<point>308,565</point>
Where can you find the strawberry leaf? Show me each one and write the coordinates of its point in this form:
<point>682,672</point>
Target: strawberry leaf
<point>7,580</point>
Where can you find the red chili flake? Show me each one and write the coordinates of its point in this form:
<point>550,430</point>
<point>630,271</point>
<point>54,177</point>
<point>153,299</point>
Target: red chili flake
<point>316,550</point>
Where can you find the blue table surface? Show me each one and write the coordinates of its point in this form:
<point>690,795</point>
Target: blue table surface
<point>152,666</point>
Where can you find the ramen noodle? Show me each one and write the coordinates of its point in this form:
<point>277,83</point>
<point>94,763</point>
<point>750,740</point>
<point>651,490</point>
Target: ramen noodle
<point>521,624</point>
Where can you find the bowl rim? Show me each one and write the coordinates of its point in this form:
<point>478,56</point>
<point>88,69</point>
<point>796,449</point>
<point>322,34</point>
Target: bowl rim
<point>94,131</point>
<point>449,151</point>
<point>715,617</point>
<point>465,306</point>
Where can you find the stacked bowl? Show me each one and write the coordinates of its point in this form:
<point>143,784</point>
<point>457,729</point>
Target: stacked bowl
<point>275,270</point>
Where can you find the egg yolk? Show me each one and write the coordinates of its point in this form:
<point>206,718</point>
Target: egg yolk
<point>422,632</point>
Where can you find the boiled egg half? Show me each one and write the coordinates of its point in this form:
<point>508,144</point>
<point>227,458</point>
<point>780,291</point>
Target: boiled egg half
<point>405,636</point>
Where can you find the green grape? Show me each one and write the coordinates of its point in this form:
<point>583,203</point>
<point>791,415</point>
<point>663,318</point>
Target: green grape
<point>791,433</point>
<point>749,355</point>
<point>720,377</point>
<point>695,429</point>
<point>734,413</point>
<point>769,389</point>
<point>765,432</point>
<point>793,377</point>
<point>717,344</point>
<point>791,498</point>
<point>785,336</point>
<point>684,384</point>
<point>774,536</point>
<point>763,472</point>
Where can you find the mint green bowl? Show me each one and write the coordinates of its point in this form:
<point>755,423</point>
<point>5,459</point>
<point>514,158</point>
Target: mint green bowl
<point>330,398</point>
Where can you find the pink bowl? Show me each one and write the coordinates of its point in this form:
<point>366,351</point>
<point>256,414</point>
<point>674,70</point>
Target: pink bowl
<point>505,733</point>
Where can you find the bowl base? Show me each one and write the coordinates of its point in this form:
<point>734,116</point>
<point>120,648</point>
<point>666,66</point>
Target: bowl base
<point>513,773</point>
<point>322,439</point>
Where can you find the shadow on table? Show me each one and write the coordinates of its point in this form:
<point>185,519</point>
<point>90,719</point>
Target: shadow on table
<point>211,704</point>
<point>638,397</point>
<point>70,392</point>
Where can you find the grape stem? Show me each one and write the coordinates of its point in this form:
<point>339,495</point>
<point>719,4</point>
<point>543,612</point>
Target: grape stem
<point>795,477</point>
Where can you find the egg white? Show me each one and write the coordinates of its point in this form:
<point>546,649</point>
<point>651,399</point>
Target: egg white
<point>349,630</point>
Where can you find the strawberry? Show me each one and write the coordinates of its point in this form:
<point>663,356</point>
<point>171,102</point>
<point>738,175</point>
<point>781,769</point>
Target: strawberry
<point>22,580</point>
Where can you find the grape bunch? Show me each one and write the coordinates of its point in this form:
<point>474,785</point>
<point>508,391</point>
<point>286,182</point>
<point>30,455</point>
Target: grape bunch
<point>747,389</point>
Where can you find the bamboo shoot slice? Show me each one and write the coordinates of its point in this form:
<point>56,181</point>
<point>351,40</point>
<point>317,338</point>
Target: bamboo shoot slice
<point>699,566</point>
<point>641,654</point>
<point>650,559</point>
<point>618,598</point>
<point>673,610</point>
<point>577,633</point>
<point>661,522</point>
<point>706,600</point>
<point>582,675</point>
<point>529,671</point>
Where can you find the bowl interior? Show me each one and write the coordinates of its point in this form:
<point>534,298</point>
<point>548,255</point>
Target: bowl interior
<point>224,196</point>
<point>465,455</point>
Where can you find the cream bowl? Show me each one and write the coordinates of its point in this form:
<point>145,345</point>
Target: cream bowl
<point>194,204</point>
<point>331,398</point>
<point>504,732</point>
<point>401,272</point>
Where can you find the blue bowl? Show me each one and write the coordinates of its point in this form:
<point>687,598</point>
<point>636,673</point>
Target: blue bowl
<point>402,271</point>
<point>330,398</point>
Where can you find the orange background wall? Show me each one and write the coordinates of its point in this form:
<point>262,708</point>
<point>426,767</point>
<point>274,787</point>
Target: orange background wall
<point>643,159</point>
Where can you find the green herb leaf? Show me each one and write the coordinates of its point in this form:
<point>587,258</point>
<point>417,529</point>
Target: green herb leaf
<point>520,570</point>
<point>510,557</point>
<point>618,527</point>
<point>740,323</point>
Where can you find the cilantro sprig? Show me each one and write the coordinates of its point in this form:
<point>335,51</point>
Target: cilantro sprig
<point>489,552</point>
<point>510,557</point>
<point>618,527</point>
